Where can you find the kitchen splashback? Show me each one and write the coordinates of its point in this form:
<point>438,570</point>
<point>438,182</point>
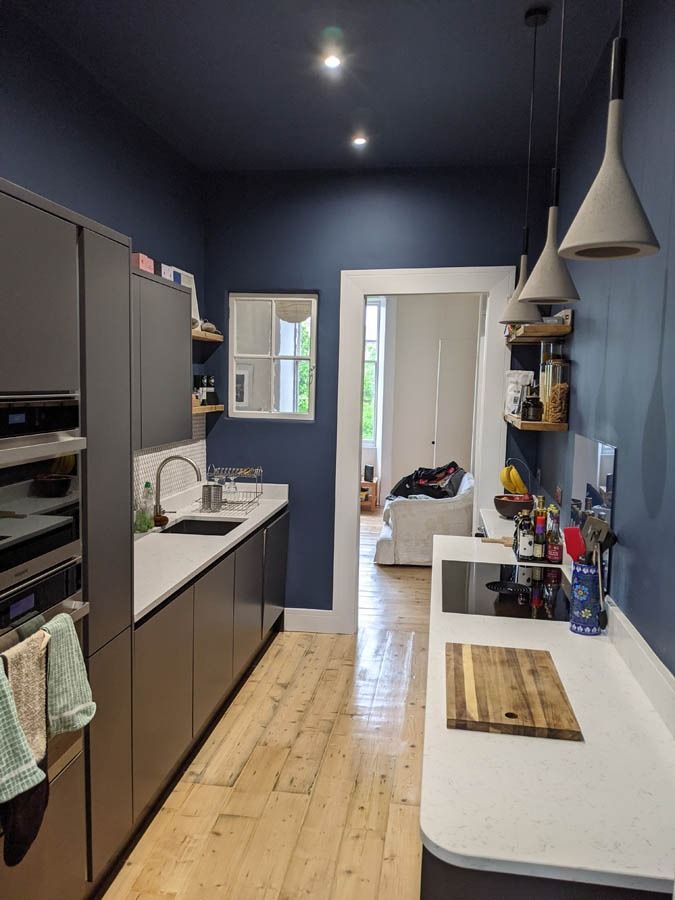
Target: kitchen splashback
<point>177,476</point>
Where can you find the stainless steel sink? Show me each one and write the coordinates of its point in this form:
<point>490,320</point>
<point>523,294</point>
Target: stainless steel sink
<point>201,526</point>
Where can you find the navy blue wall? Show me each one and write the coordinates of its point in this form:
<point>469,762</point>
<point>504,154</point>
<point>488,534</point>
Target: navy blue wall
<point>296,232</point>
<point>623,350</point>
<point>64,137</point>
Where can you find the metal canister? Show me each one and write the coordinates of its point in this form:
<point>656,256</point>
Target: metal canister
<point>212,497</point>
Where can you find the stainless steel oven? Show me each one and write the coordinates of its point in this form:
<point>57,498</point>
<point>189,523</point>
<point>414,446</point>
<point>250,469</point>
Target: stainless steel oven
<point>40,521</point>
<point>24,610</point>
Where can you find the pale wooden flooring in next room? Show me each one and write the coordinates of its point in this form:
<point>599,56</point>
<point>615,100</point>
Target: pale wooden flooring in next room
<point>309,786</point>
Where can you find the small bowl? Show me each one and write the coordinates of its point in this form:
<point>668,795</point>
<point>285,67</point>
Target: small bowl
<point>52,485</point>
<point>509,505</point>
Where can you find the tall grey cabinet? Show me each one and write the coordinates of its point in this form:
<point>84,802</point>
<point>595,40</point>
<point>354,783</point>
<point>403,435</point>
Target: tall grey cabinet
<point>162,361</point>
<point>64,285</point>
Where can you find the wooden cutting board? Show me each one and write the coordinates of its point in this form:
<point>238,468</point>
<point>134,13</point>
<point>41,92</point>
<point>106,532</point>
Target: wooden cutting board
<point>507,690</point>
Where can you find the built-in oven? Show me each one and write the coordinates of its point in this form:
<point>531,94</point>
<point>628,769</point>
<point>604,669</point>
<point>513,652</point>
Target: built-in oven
<point>27,608</point>
<point>40,522</point>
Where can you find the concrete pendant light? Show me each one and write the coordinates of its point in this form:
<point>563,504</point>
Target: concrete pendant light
<point>611,223</point>
<point>516,312</point>
<point>550,282</point>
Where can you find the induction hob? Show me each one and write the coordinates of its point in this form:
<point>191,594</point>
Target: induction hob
<point>517,591</point>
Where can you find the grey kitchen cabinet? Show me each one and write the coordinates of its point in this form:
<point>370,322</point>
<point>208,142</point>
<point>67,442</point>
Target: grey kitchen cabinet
<point>213,644</point>
<point>55,867</point>
<point>162,364</point>
<point>106,422</point>
<point>274,572</point>
<point>248,600</point>
<point>39,299</point>
<point>108,746</point>
<point>162,697</point>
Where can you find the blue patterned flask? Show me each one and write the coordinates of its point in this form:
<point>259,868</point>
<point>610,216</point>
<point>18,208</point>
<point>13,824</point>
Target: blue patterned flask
<point>585,606</point>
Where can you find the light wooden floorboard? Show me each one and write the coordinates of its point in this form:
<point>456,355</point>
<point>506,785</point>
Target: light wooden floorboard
<point>308,787</point>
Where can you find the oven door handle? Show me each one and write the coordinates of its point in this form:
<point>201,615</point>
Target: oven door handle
<point>12,454</point>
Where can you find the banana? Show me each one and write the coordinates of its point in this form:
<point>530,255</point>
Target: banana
<point>505,478</point>
<point>519,486</point>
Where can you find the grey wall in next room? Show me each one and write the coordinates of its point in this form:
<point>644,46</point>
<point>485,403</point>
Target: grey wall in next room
<point>64,137</point>
<point>623,350</point>
<point>268,232</point>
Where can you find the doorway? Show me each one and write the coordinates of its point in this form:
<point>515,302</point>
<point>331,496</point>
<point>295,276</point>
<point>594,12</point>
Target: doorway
<point>420,357</point>
<point>495,282</point>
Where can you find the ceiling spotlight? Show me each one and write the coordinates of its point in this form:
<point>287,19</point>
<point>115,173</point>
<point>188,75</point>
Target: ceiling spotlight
<point>359,141</point>
<point>332,61</point>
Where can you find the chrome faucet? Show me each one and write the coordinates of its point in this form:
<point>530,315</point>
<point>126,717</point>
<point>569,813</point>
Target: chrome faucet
<point>158,478</point>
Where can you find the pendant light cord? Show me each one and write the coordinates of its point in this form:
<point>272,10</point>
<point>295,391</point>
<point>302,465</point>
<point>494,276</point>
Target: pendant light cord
<point>621,19</point>
<point>555,187</point>
<point>529,142</point>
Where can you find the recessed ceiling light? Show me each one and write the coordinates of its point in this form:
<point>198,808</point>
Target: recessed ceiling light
<point>359,141</point>
<point>332,61</point>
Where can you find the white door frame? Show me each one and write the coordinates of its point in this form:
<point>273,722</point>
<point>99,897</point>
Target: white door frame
<point>496,282</point>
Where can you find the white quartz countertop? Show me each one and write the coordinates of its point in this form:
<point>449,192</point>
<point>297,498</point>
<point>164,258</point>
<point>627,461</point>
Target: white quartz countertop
<point>163,563</point>
<point>599,811</point>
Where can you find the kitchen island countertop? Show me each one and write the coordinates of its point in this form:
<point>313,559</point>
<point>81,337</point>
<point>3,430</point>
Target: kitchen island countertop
<point>599,811</point>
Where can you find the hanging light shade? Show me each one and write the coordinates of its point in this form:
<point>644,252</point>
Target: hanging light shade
<point>611,223</point>
<point>516,312</point>
<point>550,282</point>
<point>293,311</point>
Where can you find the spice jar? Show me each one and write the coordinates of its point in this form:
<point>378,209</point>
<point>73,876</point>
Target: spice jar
<point>532,409</point>
<point>556,409</point>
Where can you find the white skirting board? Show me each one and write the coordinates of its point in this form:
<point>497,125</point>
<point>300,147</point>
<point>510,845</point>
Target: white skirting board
<point>320,621</point>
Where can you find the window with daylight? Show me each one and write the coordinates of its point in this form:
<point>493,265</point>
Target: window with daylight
<point>371,371</point>
<point>272,356</point>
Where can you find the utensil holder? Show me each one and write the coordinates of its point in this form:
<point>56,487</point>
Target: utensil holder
<point>585,603</point>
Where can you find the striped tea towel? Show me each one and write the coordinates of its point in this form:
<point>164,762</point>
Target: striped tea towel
<point>18,770</point>
<point>69,702</point>
<point>27,674</point>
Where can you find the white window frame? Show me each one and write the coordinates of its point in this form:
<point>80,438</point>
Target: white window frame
<point>373,301</point>
<point>235,413</point>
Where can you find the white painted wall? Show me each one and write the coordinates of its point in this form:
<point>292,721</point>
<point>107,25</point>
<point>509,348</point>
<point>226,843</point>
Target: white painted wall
<point>412,375</point>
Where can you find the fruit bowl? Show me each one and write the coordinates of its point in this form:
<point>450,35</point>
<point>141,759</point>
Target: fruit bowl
<point>509,505</point>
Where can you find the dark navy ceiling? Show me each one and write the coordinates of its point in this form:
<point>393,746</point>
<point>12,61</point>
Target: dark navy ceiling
<point>237,84</point>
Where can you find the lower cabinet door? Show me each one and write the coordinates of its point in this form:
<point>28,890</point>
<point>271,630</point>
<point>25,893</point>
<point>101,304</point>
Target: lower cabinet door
<point>162,691</point>
<point>213,628</point>
<point>248,601</point>
<point>109,752</point>
<point>55,866</point>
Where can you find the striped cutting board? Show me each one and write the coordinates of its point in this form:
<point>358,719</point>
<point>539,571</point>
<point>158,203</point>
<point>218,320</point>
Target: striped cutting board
<point>507,690</point>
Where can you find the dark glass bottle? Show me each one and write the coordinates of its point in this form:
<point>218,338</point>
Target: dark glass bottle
<point>554,545</point>
<point>539,549</point>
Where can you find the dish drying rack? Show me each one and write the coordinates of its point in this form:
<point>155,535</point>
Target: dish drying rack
<point>242,486</point>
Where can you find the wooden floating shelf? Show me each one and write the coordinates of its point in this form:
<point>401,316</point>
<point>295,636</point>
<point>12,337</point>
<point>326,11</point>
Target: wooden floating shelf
<point>535,334</point>
<point>207,336</point>
<point>203,410</point>
<point>518,423</point>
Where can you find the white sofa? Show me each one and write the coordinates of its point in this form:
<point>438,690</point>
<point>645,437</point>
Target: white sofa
<point>410,523</point>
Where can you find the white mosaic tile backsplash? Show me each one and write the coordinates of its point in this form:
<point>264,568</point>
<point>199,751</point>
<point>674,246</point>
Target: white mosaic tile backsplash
<point>177,476</point>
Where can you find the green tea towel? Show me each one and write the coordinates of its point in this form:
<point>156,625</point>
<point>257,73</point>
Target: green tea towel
<point>18,770</point>
<point>69,702</point>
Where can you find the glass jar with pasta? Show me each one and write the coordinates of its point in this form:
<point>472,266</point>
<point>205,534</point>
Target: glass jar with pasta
<point>556,408</point>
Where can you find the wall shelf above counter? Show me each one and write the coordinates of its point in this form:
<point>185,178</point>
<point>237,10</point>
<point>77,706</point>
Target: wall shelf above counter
<point>207,337</point>
<point>518,423</point>
<point>538,333</point>
<point>203,410</point>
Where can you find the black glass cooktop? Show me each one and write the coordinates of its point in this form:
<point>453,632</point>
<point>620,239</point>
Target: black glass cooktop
<point>489,589</point>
